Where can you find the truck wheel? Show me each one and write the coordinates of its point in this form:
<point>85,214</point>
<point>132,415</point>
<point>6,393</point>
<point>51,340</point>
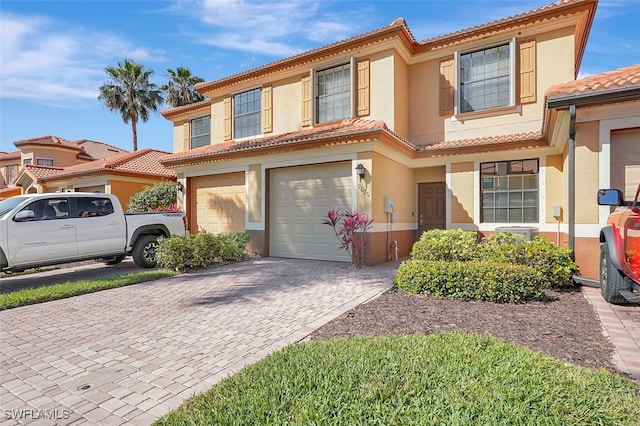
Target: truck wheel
<point>611,279</point>
<point>112,260</point>
<point>144,251</point>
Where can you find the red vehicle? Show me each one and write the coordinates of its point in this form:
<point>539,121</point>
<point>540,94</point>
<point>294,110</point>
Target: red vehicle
<point>620,248</point>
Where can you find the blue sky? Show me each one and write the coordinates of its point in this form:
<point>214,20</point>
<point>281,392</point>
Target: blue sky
<point>54,52</point>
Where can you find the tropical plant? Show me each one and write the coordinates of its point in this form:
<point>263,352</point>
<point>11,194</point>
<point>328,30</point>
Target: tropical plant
<point>129,91</point>
<point>348,228</point>
<point>180,89</point>
<point>160,197</point>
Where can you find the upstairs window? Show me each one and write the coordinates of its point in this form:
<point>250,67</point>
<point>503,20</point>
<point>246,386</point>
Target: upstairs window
<point>486,78</point>
<point>45,162</point>
<point>333,93</point>
<point>200,131</point>
<point>26,161</point>
<point>509,191</point>
<point>247,110</point>
<point>12,169</point>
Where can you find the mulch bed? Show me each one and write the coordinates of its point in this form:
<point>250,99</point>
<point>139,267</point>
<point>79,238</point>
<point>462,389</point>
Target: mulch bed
<point>562,324</point>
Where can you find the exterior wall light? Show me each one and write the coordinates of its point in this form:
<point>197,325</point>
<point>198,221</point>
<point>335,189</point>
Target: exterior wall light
<point>179,186</point>
<point>360,170</point>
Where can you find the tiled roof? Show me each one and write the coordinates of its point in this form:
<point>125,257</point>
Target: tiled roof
<point>509,20</point>
<point>144,162</point>
<point>502,140</point>
<point>400,24</point>
<point>611,81</point>
<point>15,155</point>
<point>48,140</point>
<point>185,109</point>
<point>345,128</point>
<point>40,172</point>
<point>97,150</point>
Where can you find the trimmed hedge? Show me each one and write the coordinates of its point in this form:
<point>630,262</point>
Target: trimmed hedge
<point>490,281</point>
<point>453,245</point>
<point>446,245</point>
<point>196,251</point>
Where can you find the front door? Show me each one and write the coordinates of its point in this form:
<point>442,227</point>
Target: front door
<point>431,206</point>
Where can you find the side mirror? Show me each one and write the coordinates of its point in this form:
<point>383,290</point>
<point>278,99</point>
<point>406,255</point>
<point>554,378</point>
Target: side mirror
<point>610,197</point>
<point>24,215</point>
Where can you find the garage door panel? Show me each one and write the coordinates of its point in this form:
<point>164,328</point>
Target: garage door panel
<point>299,200</point>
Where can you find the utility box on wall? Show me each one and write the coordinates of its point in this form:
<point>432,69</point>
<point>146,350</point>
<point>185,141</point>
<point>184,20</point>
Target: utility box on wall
<point>389,204</point>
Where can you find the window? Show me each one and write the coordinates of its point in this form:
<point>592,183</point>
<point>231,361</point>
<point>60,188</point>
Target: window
<point>12,169</point>
<point>26,161</point>
<point>333,93</point>
<point>49,209</point>
<point>94,207</point>
<point>45,162</point>
<point>486,78</point>
<point>509,191</point>
<point>200,131</point>
<point>246,113</point>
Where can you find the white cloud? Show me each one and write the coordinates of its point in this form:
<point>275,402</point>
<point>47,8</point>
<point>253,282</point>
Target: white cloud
<point>54,62</point>
<point>268,27</point>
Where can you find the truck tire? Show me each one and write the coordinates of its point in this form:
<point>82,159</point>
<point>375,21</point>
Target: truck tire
<point>112,260</point>
<point>611,279</point>
<point>144,251</point>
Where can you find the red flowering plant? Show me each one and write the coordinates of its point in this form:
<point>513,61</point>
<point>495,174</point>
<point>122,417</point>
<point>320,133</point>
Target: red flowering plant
<point>348,227</point>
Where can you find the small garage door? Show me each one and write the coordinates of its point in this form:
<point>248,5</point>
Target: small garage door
<point>299,199</point>
<point>219,203</point>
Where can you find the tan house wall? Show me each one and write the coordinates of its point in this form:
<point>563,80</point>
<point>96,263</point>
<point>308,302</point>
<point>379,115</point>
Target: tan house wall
<point>254,191</point>
<point>587,172</point>
<point>431,174</point>
<point>287,110</point>
<point>462,192</point>
<point>382,98</point>
<point>555,188</point>
<point>401,94</point>
<point>62,157</point>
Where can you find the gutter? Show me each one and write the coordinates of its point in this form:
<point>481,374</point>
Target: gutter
<point>572,178</point>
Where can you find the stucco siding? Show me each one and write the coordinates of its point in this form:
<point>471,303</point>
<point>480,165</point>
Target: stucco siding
<point>462,192</point>
<point>396,181</point>
<point>255,193</point>
<point>555,185</point>
<point>382,103</point>
<point>587,172</point>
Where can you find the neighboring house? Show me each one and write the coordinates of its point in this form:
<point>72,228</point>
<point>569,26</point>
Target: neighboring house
<point>451,132</point>
<point>122,175</point>
<point>9,168</point>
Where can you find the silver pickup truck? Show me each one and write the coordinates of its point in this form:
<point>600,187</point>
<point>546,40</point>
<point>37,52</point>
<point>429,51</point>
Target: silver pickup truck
<point>53,228</point>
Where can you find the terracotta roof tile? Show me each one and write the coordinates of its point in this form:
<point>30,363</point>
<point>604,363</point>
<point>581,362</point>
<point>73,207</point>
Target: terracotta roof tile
<point>610,81</point>
<point>349,127</point>
<point>48,140</point>
<point>502,140</point>
<point>40,172</point>
<point>97,150</point>
<point>14,155</point>
<point>143,162</point>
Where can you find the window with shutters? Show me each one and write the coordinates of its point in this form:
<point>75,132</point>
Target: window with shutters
<point>486,78</point>
<point>333,93</point>
<point>247,111</point>
<point>200,131</point>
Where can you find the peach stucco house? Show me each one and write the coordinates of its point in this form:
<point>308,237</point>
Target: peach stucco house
<point>54,164</point>
<point>457,131</point>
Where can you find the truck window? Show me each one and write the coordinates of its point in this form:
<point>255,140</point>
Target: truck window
<point>94,207</point>
<point>49,209</point>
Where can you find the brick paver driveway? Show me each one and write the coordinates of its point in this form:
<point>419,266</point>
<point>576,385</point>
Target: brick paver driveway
<point>129,355</point>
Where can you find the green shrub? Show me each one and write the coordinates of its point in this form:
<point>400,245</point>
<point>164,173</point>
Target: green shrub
<point>555,263</point>
<point>196,251</point>
<point>490,281</point>
<point>446,245</point>
<point>159,197</point>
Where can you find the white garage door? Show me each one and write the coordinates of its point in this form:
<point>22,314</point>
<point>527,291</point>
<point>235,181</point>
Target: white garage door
<point>219,202</point>
<point>299,199</point>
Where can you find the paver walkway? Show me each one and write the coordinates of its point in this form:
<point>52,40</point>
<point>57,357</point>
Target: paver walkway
<point>131,354</point>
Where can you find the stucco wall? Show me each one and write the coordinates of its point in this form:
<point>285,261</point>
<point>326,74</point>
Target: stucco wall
<point>382,99</point>
<point>462,192</point>
<point>398,182</point>
<point>555,188</point>
<point>254,190</point>
<point>430,174</point>
<point>587,172</point>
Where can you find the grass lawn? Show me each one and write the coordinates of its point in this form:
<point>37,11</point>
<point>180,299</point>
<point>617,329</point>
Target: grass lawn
<point>30,296</point>
<point>447,378</point>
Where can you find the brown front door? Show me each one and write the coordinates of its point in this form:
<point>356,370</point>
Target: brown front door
<point>431,206</point>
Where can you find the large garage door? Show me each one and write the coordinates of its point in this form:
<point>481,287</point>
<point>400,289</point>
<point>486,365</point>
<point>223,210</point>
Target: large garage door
<point>219,203</point>
<point>299,199</point>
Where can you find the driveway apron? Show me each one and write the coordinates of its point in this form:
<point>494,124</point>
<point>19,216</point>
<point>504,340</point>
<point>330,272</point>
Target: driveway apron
<point>131,354</point>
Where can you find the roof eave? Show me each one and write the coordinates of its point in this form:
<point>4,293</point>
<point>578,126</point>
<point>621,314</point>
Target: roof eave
<point>581,99</point>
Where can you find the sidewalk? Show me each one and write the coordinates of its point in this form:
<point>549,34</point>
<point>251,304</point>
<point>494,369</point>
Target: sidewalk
<point>621,324</point>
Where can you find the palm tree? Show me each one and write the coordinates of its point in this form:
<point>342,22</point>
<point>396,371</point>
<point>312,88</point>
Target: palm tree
<point>180,89</point>
<point>129,91</point>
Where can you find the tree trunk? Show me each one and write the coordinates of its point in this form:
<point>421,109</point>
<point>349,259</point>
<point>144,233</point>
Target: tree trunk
<point>134,128</point>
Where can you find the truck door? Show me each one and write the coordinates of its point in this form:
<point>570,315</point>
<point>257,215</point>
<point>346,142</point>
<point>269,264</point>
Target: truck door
<point>100,230</point>
<point>49,236</point>
<point>632,239</point>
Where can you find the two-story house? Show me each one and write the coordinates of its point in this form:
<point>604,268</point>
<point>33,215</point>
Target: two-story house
<point>450,132</point>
